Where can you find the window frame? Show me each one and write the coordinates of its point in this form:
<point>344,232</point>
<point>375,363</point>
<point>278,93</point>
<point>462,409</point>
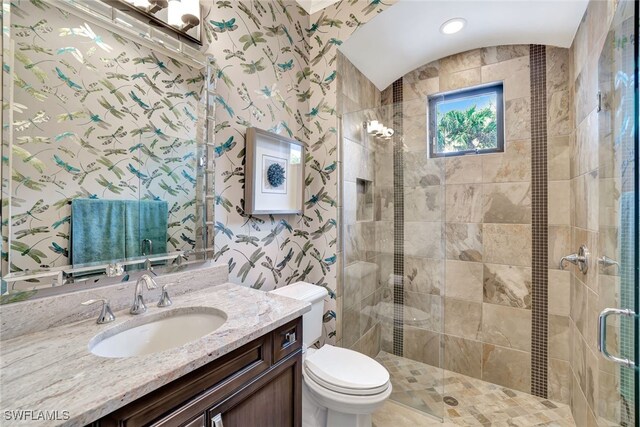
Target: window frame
<point>496,88</point>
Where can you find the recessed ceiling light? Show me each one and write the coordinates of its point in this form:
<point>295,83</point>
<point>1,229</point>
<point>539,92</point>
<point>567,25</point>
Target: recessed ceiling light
<point>452,26</point>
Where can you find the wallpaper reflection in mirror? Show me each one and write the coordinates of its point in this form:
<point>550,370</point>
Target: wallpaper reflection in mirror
<point>95,117</point>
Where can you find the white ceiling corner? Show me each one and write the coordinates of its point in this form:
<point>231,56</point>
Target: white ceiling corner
<point>313,6</point>
<point>407,35</point>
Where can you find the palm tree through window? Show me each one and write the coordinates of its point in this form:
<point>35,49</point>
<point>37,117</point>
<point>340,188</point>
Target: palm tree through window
<point>466,121</point>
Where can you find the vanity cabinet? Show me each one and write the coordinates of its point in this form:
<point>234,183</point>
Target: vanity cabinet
<point>257,385</point>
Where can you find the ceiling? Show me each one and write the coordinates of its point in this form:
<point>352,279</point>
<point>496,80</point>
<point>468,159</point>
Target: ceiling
<point>407,35</point>
<point>313,6</point>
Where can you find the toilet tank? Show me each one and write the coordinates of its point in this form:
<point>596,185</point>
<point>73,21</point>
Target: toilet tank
<point>311,320</point>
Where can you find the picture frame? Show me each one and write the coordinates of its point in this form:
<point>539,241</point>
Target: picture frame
<point>274,173</point>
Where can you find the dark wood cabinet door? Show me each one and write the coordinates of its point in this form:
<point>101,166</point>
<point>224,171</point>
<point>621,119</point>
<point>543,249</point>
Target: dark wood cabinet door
<point>273,400</point>
<point>178,402</point>
<point>255,385</point>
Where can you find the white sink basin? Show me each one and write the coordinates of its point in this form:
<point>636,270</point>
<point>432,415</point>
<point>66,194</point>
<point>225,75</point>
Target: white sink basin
<point>158,332</point>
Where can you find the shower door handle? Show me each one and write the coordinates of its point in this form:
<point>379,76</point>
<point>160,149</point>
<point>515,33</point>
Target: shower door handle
<point>602,335</point>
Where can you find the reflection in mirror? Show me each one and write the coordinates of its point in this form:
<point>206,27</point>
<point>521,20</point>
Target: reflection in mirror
<point>101,160</point>
<point>181,17</point>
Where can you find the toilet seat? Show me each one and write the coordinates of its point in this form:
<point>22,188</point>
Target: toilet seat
<point>346,371</point>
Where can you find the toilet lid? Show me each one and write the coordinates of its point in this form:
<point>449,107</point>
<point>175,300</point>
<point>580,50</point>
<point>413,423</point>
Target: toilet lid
<point>346,371</point>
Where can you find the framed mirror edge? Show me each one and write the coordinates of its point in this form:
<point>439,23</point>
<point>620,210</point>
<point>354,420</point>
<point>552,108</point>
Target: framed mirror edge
<point>99,281</point>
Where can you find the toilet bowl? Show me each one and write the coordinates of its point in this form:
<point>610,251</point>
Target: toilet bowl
<point>341,387</point>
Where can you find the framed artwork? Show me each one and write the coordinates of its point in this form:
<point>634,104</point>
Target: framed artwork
<point>274,173</point>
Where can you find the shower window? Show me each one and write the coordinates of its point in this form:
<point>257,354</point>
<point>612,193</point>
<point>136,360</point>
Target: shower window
<point>466,121</point>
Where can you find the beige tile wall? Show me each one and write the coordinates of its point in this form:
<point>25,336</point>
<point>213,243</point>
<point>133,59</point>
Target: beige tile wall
<point>478,278</point>
<point>358,286</point>
<point>560,128</point>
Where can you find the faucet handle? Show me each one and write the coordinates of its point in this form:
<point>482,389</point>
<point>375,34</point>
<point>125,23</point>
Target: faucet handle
<point>106,315</point>
<point>581,259</point>
<point>165,300</point>
<point>572,258</point>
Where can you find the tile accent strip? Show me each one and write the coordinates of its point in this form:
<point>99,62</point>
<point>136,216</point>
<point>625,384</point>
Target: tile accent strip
<point>539,221</point>
<point>398,221</point>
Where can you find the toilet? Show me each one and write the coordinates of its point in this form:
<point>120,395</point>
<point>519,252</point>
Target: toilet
<point>341,387</point>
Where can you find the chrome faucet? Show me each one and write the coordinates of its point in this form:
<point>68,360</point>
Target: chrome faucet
<point>138,306</point>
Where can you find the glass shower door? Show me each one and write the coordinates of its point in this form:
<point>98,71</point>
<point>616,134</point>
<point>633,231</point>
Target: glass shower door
<point>617,263</point>
<point>393,260</point>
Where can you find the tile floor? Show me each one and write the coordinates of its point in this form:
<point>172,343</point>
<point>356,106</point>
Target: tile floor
<point>418,389</point>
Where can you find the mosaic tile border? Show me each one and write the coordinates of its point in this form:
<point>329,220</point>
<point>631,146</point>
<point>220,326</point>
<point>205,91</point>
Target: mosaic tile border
<point>539,221</point>
<point>398,220</point>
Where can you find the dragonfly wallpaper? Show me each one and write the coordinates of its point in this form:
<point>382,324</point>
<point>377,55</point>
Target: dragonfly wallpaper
<point>276,69</point>
<point>95,116</point>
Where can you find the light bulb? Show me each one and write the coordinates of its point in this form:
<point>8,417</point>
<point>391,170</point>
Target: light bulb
<point>174,14</point>
<point>143,4</point>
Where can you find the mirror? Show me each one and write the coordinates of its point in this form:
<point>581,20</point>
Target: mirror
<point>178,17</point>
<point>103,153</point>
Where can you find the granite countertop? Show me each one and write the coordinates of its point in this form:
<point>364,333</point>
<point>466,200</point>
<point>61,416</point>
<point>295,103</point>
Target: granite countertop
<point>53,370</point>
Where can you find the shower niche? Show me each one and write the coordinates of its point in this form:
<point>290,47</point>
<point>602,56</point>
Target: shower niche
<point>364,200</point>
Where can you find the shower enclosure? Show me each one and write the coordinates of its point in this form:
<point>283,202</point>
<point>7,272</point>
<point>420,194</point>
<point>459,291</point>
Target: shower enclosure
<point>394,251</point>
<point>450,265</point>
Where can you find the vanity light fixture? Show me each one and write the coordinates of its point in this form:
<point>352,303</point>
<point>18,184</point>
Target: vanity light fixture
<point>452,26</point>
<point>378,129</point>
<point>373,126</point>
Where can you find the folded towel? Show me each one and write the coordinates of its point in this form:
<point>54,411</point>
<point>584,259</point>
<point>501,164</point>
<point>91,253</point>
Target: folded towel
<point>97,231</point>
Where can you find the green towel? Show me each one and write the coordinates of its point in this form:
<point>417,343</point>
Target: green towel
<point>132,228</point>
<point>97,231</point>
<point>146,220</point>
